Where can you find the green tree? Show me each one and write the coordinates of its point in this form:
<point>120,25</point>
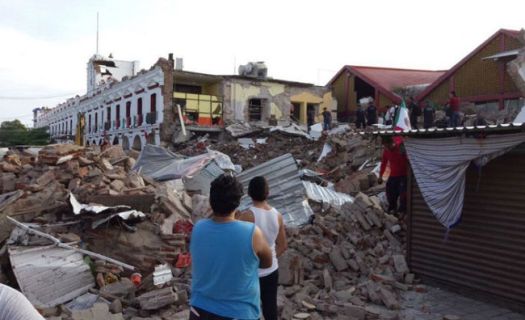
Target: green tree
<point>14,133</point>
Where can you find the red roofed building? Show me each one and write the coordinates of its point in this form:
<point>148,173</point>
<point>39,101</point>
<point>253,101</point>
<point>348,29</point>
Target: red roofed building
<point>481,77</point>
<point>352,83</point>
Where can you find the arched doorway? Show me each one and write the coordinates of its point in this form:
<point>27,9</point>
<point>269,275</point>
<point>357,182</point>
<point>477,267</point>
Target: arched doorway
<point>115,141</point>
<point>137,144</point>
<point>125,143</point>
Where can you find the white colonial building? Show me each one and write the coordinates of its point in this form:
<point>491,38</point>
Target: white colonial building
<point>122,105</point>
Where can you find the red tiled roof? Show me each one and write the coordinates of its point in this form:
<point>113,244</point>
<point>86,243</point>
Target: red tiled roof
<point>390,78</point>
<point>386,80</point>
<point>451,71</point>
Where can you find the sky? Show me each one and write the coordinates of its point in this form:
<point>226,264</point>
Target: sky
<point>46,44</point>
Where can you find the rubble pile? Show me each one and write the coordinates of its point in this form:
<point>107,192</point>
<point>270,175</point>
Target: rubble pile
<point>349,264</point>
<point>133,232</point>
<point>44,197</point>
<point>345,151</point>
<point>271,145</point>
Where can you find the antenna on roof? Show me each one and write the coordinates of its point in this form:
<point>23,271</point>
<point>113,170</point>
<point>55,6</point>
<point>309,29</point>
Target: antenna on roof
<point>97,32</point>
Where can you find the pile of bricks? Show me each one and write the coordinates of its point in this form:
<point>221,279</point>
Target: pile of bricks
<point>349,263</point>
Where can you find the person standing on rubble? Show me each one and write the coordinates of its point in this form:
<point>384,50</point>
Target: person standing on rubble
<point>360,121</point>
<point>226,254</point>
<point>390,115</point>
<point>310,118</point>
<point>371,114</point>
<point>453,105</point>
<point>395,156</point>
<point>327,120</point>
<point>415,112</point>
<point>428,115</point>
<point>270,221</point>
<point>15,306</point>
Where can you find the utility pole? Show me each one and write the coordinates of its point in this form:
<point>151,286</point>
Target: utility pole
<point>97,32</point>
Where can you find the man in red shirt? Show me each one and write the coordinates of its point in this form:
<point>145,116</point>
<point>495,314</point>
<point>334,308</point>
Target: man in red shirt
<point>453,104</point>
<point>395,156</point>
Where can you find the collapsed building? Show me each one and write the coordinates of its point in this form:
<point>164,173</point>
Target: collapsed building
<point>132,108</point>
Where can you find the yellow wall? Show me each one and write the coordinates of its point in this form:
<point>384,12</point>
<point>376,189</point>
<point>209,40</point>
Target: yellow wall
<point>478,77</point>
<point>279,98</point>
<point>339,91</point>
<point>306,97</point>
<point>203,103</point>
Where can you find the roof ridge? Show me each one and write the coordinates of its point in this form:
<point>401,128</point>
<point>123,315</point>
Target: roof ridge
<point>392,68</point>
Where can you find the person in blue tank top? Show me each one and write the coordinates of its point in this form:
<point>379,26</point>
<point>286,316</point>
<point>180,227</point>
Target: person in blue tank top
<point>226,255</point>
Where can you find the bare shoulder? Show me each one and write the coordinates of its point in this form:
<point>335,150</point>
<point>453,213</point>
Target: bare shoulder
<point>246,215</point>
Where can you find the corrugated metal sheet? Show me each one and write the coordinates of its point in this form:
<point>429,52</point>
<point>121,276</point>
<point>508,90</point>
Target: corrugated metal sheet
<point>318,193</point>
<point>486,251</point>
<point>287,193</point>
<point>49,276</point>
<point>506,127</point>
<point>201,181</point>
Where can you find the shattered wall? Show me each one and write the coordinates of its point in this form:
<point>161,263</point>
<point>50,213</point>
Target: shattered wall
<point>169,116</point>
<point>516,67</point>
<point>277,97</point>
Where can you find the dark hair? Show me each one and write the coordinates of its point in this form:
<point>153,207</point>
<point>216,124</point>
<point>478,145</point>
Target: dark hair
<point>225,194</point>
<point>258,189</point>
<point>453,93</point>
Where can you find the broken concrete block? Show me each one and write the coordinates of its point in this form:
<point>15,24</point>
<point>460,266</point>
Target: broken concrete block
<point>353,312</point>
<point>388,298</point>
<point>337,260</point>
<point>353,265</point>
<point>73,184</point>
<point>327,278</point>
<point>374,218</point>
<point>45,179</point>
<point>157,299</point>
<point>117,185</point>
<point>395,228</point>
<point>84,161</point>
<point>116,306</point>
<point>99,311</point>
<point>361,219</point>
<point>400,263</point>
<point>391,238</point>
<point>121,289</point>
<point>409,278</point>
<point>7,182</point>
<point>105,164</point>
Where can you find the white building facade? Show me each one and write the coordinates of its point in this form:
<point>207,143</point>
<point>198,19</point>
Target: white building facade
<point>127,111</point>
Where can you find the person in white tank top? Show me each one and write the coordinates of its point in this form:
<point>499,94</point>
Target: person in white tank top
<point>270,221</point>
